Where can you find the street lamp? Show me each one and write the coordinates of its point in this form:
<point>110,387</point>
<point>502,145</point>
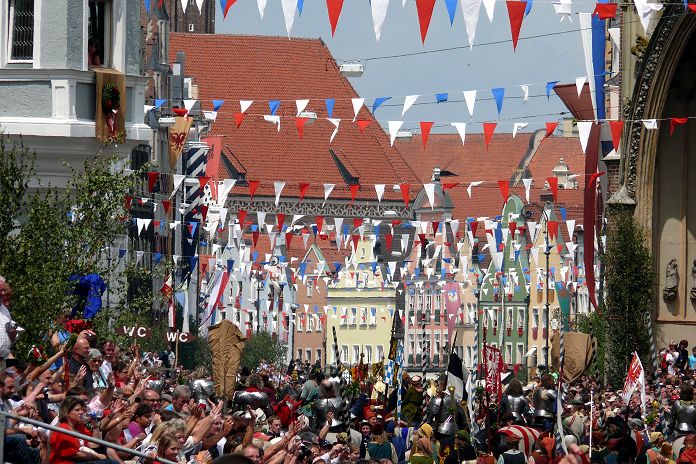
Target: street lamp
<point>259,287</point>
<point>527,213</point>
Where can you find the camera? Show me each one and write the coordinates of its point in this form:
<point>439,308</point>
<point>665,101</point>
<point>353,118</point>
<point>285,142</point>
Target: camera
<point>304,451</point>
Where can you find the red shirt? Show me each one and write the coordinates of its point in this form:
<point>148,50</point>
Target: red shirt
<point>64,447</point>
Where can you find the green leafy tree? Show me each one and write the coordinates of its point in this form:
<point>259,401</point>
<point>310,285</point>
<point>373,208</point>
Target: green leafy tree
<point>630,281</point>
<point>263,346</point>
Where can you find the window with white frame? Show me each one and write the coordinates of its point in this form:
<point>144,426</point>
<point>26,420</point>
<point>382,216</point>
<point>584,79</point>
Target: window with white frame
<point>344,316</point>
<point>363,316</point>
<point>299,322</point>
<point>353,316</point>
<point>99,33</point>
<point>486,316</point>
<point>534,361</point>
<point>380,353</point>
<point>368,354</point>
<point>438,345</point>
<point>310,288</point>
<point>299,354</point>
<point>469,355</point>
<point>520,318</point>
<point>535,318</point>
<point>344,354</point>
<point>545,318</point>
<point>508,322</point>
<point>319,358</point>
<point>438,300</point>
<point>508,353</point>
<point>356,354</point>
<point>544,356</point>
<point>310,322</point>
<point>519,354</point>
<point>373,316</point>
<point>320,325</point>
<point>21,31</point>
<point>308,355</point>
<point>412,342</point>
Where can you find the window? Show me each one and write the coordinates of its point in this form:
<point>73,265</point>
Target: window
<point>356,354</point>
<point>412,342</point>
<point>373,316</point>
<point>519,355</point>
<point>299,322</point>
<point>353,316</point>
<point>520,318</point>
<point>320,326</point>
<point>344,354</point>
<point>534,362</point>
<point>438,300</point>
<point>486,316</point>
<point>363,316</point>
<point>380,353</point>
<point>469,356</point>
<point>319,358</point>
<point>438,346</point>
<point>310,322</point>
<point>310,288</point>
<point>544,356</point>
<point>191,27</point>
<point>545,320</point>
<point>309,355</point>
<point>508,322</point>
<point>535,318</point>
<point>508,353</point>
<point>21,30</point>
<point>344,316</point>
<point>368,354</point>
<point>99,31</point>
<point>299,354</point>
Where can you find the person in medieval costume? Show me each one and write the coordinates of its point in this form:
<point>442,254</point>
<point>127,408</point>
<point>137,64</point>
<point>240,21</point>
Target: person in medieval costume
<point>684,411</point>
<point>515,403</point>
<point>412,402</point>
<point>444,412</point>
<point>330,400</point>
<point>545,403</point>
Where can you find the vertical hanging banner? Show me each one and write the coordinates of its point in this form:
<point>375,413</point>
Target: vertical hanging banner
<point>177,138</point>
<point>195,159</point>
<point>493,363</point>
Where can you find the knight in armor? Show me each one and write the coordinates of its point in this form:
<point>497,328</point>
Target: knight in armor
<point>545,403</point>
<point>684,411</point>
<point>330,401</point>
<point>515,403</point>
<point>444,411</point>
<point>252,396</point>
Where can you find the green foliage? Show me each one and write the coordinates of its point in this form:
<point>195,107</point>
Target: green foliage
<point>595,325</point>
<point>263,346</point>
<point>630,282</point>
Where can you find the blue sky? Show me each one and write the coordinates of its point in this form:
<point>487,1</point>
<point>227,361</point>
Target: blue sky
<point>536,61</point>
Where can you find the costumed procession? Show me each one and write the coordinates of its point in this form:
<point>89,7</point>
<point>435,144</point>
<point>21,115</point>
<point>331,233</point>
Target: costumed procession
<point>423,232</point>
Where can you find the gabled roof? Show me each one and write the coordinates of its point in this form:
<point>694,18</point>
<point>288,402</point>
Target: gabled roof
<point>262,68</point>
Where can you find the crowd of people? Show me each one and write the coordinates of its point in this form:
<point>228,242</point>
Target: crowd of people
<point>302,414</point>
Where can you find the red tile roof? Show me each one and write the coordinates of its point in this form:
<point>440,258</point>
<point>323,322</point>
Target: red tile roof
<point>261,68</point>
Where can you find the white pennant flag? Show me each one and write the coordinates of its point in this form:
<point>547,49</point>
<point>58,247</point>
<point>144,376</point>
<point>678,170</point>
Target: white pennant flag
<point>394,127</point>
<point>517,126</point>
<point>379,189</point>
<point>645,11</point>
<point>471,185</point>
<point>278,186</point>
<point>563,8</point>
<point>470,97</point>
<point>580,83</point>
<point>470,9</point>
<point>272,119</point>
<point>461,129</point>
<point>335,122</point>
<point>178,179</point>
<point>454,226</point>
<point>430,192</point>
<point>244,105</point>
<point>527,184</point>
<point>199,4</point>
<point>328,188</point>
<point>261,219</point>
<point>139,256</point>
<point>570,225</point>
<point>408,103</point>
<point>650,124</point>
<point>525,91</point>
<point>357,104</point>
<point>227,186</point>
<point>489,5</point>
<point>301,105</point>
<point>289,9</point>
<point>379,12</point>
<point>188,104</point>
<point>262,7</point>
<point>584,128</point>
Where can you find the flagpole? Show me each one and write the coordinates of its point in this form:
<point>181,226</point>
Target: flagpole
<point>591,419</point>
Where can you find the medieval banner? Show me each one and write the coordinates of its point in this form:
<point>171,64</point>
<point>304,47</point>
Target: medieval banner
<point>226,343</point>
<point>177,138</point>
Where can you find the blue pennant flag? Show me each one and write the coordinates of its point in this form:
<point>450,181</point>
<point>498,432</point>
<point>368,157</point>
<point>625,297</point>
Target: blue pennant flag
<point>281,259</point>
<point>441,97</point>
<point>254,255</point>
<point>223,4</point>
<point>217,104</point>
<point>528,9</point>
<point>203,243</point>
<point>300,5</point>
<point>316,308</point>
<point>549,88</point>
<point>230,265</point>
<point>159,102</point>
<point>157,257</point>
<point>563,212</point>
<point>361,267</point>
<point>417,271</point>
<point>314,229</point>
<point>498,94</point>
<point>254,227</point>
<point>337,266</point>
<point>378,102</point>
<point>330,106</point>
<point>303,268</point>
<point>451,9</point>
<point>273,106</point>
<point>194,261</point>
<point>147,6</point>
<point>481,257</point>
<point>376,229</point>
<point>121,253</point>
<point>345,229</point>
<point>374,266</point>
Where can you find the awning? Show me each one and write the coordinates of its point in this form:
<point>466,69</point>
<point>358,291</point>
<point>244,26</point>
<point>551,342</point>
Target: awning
<point>530,352</point>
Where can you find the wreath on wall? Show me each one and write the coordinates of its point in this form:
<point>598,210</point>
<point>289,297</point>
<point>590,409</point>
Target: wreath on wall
<point>111,103</point>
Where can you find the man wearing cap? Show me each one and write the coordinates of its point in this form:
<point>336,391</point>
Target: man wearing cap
<point>412,402</point>
<point>366,432</point>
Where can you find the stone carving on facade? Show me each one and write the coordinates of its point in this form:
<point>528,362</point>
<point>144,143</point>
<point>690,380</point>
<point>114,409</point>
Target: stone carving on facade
<point>669,293</point>
<point>693,282</point>
<point>318,208</point>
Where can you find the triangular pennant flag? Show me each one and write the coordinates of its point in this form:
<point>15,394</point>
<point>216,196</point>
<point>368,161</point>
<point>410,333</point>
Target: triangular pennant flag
<point>288,239</point>
<point>334,8</point>
<point>278,186</point>
<point>202,182</point>
<point>461,129</point>
<point>470,10</point>
<point>470,98</point>
<point>616,130</point>
<point>605,10</point>
<point>488,129</point>
<point>441,97</point>
<point>674,122</point>
<point>159,102</point>
<point>320,223</point>
<point>253,185</point>
<point>336,123</point>
<point>262,7</point>
<point>549,88</point>
<point>353,191</point>
<point>504,187</point>
<point>272,119</point>
<point>584,128</point>
<point>553,185</point>
<point>362,124</point>
<point>425,13</point>
<point>471,186</point>
<point>300,123</point>
<point>357,104</point>
<point>451,9</point>
<point>301,105</point>
<point>300,6</point>
<point>425,131</point>
<point>517,126</point>
<point>152,178</point>
<point>527,184</point>
<point>525,93</point>
<point>244,105</point>
<point>394,127</point>
<point>516,14</point>
<point>489,6</point>
<point>330,102</point>
<point>280,220</point>
<point>550,128</point>
<point>430,193</point>
<point>328,188</point>
<point>241,216</point>
<point>379,189</point>
<point>498,95</point>
<point>238,119</point>
<point>409,100</point>
<point>650,124</point>
<point>580,83</point>
<point>289,9</point>
<point>404,188</point>
<point>379,13</point>
<point>304,186</point>
<point>188,104</point>
<point>225,11</point>
<point>166,204</point>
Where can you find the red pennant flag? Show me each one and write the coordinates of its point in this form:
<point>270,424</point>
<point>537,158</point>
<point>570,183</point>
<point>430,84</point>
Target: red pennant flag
<point>204,212</point>
<point>559,247</point>
<point>288,239</point>
<point>300,123</point>
<point>356,239</point>
<point>425,131</point>
<point>404,192</point>
<point>227,8</point>
<point>202,180</point>
<point>280,219</point>
<point>362,124</point>
<point>473,225</point>
<point>605,10</point>
<point>436,225</point>
<point>504,186</point>
<point>674,122</point>
<point>616,126</point>
<point>127,200</point>
<point>255,236</point>
<point>553,184</point>
<point>180,111</point>
<point>550,128</point>
<point>552,227</point>
<point>488,129</point>
<point>449,185</point>
<point>238,118</point>
<point>320,223</point>
<point>692,7</point>
<point>334,7</point>
<point>388,239</point>
<point>166,204</point>
<point>353,191</point>
<point>241,216</point>
<point>304,186</point>
<point>425,13</point>
<point>357,222</point>
<point>516,14</point>
<point>152,180</point>
<point>512,226</point>
<point>253,185</point>
<point>190,229</point>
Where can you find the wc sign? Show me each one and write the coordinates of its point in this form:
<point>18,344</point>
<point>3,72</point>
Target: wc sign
<point>135,332</point>
<point>181,337</point>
